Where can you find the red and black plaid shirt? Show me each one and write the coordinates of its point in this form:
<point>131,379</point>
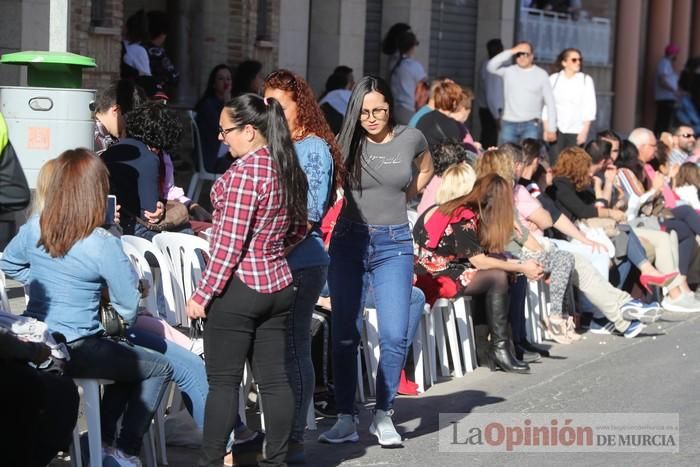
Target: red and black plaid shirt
<point>251,229</point>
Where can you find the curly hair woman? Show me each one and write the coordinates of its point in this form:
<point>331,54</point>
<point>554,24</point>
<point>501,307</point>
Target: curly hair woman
<point>136,167</point>
<point>321,161</point>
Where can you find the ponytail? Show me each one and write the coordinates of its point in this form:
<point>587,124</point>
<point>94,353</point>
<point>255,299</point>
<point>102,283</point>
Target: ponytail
<point>268,117</point>
<point>291,175</point>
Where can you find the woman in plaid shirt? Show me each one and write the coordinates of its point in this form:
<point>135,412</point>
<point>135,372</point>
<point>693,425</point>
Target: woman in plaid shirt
<point>246,290</point>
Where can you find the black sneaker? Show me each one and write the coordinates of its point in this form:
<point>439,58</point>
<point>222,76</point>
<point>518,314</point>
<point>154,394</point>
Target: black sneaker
<point>324,405</point>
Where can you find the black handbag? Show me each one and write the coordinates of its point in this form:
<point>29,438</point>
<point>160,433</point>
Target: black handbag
<point>112,323</point>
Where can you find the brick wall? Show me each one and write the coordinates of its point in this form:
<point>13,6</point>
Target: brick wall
<point>102,43</point>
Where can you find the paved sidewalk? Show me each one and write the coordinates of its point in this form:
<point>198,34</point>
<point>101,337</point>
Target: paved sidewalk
<point>656,372</point>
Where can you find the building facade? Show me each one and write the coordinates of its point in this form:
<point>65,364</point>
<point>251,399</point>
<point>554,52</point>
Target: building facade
<point>621,40</point>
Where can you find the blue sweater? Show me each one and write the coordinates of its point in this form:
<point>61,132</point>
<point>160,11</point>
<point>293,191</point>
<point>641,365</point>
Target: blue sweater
<point>65,292</point>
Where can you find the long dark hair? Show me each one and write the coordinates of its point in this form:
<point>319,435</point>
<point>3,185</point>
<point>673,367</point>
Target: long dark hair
<point>351,138</point>
<point>268,117</point>
<point>244,77</point>
<point>209,91</point>
<point>629,159</point>
<point>390,44</point>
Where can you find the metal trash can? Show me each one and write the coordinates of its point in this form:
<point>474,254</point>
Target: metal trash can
<point>51,114</point>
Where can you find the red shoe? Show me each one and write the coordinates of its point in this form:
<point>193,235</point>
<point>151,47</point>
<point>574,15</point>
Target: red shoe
<point>658,281</point>
<point>406,386</point>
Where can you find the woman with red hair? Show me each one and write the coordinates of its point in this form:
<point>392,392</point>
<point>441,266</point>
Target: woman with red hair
<point>320,160</point>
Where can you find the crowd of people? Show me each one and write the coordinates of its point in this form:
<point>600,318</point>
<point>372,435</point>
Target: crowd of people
<point>313,202</point>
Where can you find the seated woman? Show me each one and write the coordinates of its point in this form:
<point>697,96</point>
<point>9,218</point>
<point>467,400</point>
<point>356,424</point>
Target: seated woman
<point>460,242</point>
<point>137,171</point>
<point>686,184</point>
<point>444,156</point>
<point>572,179</point>
<point>445,124</point>
<point>65,258</point>
<point>558,263</point>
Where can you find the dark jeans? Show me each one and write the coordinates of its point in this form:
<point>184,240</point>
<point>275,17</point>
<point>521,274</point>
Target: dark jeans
<point>39,412</point>
<point>564,140</point>
<point>489,128</point>
<point>245,324</point>
<point>686,224</point>
<point>664,115</point>
<point>308,283</point>
<point>518,295</point>
<point>140,378</point>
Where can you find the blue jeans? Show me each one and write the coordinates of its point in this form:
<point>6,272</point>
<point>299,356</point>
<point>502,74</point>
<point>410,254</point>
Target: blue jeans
<point>382,255</point>
<point>515,132</point>
<point>188,370</point>
<point>308,283</point>
<point>415,311</point>
<point>140,378</point>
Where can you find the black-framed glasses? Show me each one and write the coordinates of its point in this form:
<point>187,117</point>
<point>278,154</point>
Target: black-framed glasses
<point>378,114</point>
<point>224,131</point>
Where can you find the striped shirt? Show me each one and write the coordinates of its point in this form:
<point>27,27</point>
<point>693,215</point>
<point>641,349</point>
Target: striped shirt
<point>251,228</point>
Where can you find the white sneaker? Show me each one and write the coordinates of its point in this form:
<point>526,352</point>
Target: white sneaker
<point>682,304</point>
<point>383,428</point>
<point>116,458</point>
<point>344,431</point>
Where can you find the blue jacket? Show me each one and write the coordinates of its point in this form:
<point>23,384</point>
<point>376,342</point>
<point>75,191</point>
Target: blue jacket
<point>65,292</point>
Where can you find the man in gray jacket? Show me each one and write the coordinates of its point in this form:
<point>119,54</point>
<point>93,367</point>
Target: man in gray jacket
<point>526,90</point>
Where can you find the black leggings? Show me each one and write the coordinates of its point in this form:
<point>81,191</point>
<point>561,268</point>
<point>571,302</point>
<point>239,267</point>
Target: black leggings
<point>245,324</point>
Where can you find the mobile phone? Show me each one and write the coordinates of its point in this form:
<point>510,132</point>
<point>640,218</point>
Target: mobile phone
<point>111,209</point>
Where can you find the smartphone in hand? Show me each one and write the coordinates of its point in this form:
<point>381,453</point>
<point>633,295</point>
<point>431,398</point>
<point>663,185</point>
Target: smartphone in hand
<point>111,210</point>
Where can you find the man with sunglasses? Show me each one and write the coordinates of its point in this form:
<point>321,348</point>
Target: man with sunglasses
<point>683,144</point>
<point>526,90</point>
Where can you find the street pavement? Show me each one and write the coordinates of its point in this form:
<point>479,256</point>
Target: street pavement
<point>655,372</point>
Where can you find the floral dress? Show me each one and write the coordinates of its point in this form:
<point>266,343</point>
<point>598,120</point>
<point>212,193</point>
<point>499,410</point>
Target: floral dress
<point>443,248</point>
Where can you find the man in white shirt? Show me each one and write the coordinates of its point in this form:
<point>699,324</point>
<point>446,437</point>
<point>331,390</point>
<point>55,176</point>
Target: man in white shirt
<point>666,89</point>
<point>490,97</point>
<point>526,89</point>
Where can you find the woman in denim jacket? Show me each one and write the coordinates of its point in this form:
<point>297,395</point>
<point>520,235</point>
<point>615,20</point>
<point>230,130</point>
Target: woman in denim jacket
<point>66,258</point>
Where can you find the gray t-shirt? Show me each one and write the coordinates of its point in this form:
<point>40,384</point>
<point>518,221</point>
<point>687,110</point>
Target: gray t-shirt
<point>387,171</point>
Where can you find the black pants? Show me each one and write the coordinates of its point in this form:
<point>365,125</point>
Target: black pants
<point>489,128</point>
<point>245,324</point>
<point>564,140</point>
<point>39,413</point>
<point>664,115</point>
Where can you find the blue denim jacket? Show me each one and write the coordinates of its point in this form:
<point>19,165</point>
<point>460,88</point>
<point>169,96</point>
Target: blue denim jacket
<point>65,292</point>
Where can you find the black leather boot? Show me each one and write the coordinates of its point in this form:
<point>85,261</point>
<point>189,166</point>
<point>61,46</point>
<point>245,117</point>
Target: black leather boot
<point>500,354</point>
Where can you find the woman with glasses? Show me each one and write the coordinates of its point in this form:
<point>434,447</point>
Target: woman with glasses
<point>574,96</point>
<point>372,245</point>
<point>246,290</point>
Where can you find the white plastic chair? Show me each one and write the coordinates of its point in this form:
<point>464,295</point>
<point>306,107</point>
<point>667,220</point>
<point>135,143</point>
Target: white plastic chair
<point>4,301</point>
<point>200,173</point>
<point>166,280</point>
<point>143,269</point>
<point>187,255</point>
<point>536,307</point>
<point>89,390</point>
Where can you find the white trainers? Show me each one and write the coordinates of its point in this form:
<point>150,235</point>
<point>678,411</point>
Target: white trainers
<point>383,428</point>
<point>116,458</point>
<point>344,431</point>
<point>683,304</point>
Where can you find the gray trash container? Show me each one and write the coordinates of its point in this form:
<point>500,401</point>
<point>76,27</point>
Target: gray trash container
<point>51,114</point>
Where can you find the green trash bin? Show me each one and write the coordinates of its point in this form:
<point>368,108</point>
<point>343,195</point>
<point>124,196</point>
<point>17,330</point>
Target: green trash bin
<point>51,69</point>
